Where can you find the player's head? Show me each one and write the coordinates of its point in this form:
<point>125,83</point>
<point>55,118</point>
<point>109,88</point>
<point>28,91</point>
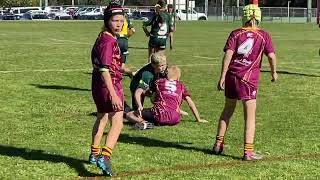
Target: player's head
<point>159,62</point>
<point>174,73</point>
<point>113,17</point>
<point>251,15</point>
<point>160,6</point>
<point>170,8</point>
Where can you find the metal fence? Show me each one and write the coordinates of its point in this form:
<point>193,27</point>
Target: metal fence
<point>273,14</point>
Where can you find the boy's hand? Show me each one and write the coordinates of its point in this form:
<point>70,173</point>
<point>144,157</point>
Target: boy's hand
<point>274,77</point>
<point>221,84</point>
<point>116,103</point>
<point>140,108</point>
<point>202,121</point>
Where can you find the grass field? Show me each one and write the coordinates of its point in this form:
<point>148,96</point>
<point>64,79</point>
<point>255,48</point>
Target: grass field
<point>46,106</point>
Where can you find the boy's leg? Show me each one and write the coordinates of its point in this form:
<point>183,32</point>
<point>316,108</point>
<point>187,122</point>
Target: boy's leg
<point>133,117</point>
<point>230,105</point>
<point>97,133</point>
<point>249,108</point>
<point>104,163</point>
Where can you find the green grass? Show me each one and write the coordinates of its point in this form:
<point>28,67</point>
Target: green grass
<point>46,119</point>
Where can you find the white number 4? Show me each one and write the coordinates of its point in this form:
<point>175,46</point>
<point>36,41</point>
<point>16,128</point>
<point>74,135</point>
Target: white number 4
<point>246,47</point>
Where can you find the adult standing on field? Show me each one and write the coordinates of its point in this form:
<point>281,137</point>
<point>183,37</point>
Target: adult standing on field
<point>107,89</point>
<point>240,76</point>
<point>161,27</point>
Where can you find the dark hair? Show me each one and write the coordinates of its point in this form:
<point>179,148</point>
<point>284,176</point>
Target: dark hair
<point>114,8</point>
<point>162,4</point>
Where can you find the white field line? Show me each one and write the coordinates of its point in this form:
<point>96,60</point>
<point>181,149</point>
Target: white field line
<point>204,57</point>
<point>71,70</point>
<point>44,70</point>
<point>180,65</point>
<point>67,41</point>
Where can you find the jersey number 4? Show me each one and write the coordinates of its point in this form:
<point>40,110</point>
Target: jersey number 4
<point>246,47</point>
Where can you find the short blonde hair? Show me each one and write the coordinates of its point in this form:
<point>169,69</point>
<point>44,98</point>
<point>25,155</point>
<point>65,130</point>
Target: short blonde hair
<point>174,73</point>
<point>157,58</point>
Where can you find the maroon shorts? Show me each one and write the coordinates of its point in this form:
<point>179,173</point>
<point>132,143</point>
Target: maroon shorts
<point>102,98</point>
<point>235,88</point>
<point>165,116</point>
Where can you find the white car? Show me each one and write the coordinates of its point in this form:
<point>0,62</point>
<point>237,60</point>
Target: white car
<point>192,15</point>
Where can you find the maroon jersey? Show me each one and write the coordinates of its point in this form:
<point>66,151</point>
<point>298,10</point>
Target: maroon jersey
<point>169,96</point>
<point>248,46</point>
<point>105,55</point>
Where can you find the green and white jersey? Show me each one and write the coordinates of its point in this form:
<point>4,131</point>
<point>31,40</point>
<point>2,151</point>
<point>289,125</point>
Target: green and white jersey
<point>158,29</point>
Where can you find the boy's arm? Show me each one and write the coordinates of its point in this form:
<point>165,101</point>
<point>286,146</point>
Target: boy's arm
<point>194,109</point>
<point>146,24</point>
<point>116,103</point>
<point>225,65</point>
<point>273,65</point>
<point>137,97</point>
<point>145,29</point>
<point>131,29</point>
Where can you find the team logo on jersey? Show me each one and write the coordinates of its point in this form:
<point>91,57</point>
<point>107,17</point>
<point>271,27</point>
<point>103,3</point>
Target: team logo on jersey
<point>249,35</point>
<point>244,62</point>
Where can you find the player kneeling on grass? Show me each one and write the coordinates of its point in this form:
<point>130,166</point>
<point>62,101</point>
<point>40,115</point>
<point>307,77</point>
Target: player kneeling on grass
<point>169,93</point>
<point>107,89</point>
<point>240,75</point>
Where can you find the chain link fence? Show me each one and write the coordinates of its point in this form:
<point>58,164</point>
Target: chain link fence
<point>272,14</point>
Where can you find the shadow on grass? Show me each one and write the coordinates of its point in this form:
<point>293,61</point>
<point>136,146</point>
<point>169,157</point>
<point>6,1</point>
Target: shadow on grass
<point>59,87</point>
<point>149,142</point>
<point>292,73</point>
<point>31,154</point>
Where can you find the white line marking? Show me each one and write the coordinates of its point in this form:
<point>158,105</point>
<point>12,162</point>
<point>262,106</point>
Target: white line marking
<point>67,41</point>
<point>204,57</point>
<point>70,70</point>
<point>44,70</point>
<point>181,65</point>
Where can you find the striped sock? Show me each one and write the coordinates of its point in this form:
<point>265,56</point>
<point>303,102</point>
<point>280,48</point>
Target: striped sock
<point>106,152</point>
<point>95,150</point>
<point>248,148</point>
<point>219,139</point>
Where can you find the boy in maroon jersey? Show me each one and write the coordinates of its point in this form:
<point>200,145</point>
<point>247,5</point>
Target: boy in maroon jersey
<point>169,93</point>
<point>107,89</point>
<point>240,75</point>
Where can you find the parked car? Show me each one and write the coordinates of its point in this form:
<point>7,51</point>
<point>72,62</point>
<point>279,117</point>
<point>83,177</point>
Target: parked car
<point>9,16</point>
<point>96,14</point>
<point>192,15</point>
<point>83,10</point>
<point>53,8</point>
<point>59,15</point>
<point>35,15</point>
<point>19,11</point>
<point>142,14</point>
